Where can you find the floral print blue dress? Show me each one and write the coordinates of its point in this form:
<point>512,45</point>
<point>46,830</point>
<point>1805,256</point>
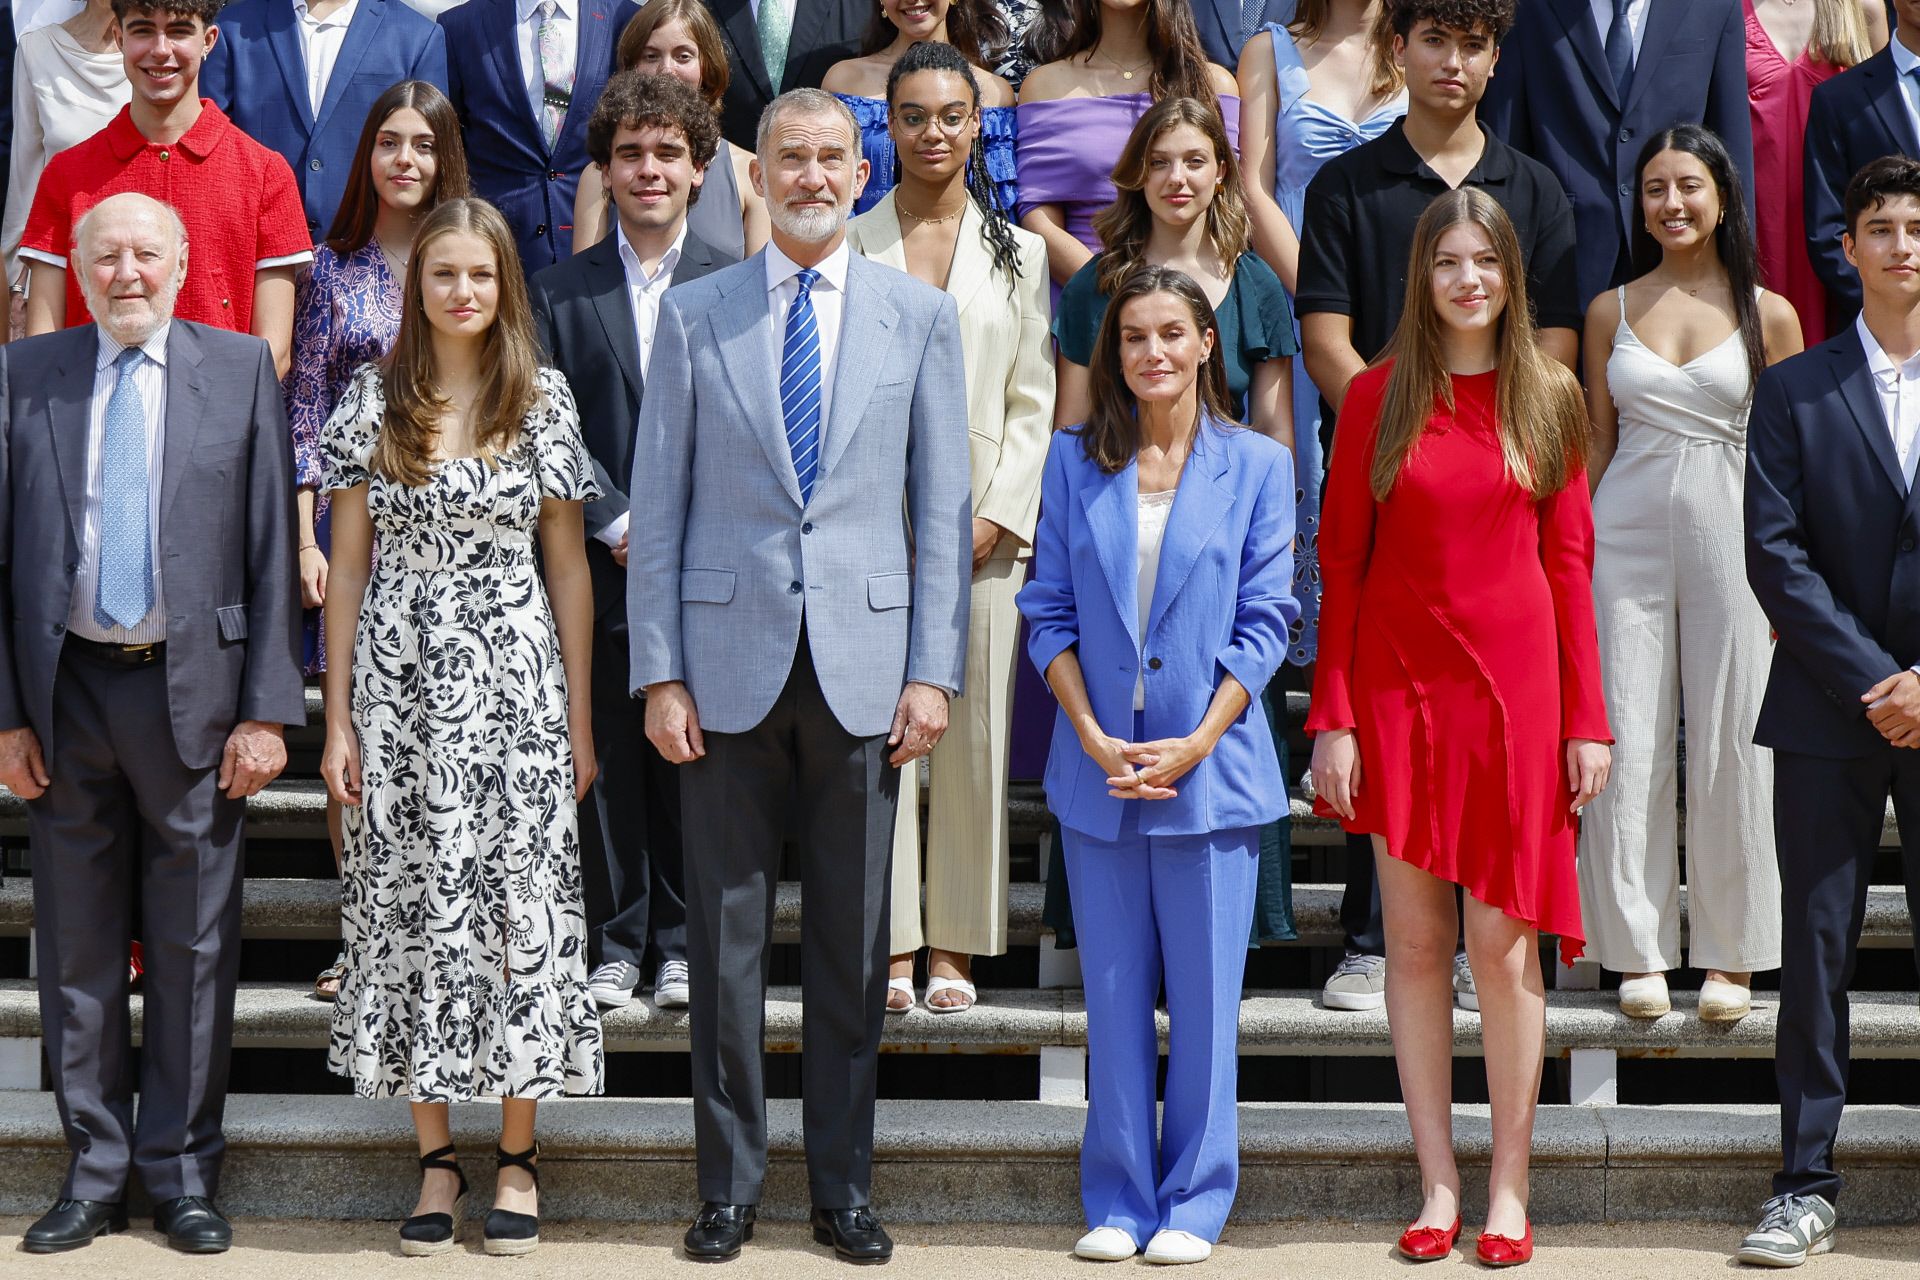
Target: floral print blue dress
<point>346,313</point>
<point>461,898</point>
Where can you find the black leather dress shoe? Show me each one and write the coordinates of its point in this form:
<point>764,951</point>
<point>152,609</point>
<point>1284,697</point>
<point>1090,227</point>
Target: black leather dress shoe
<point>719,1230</point>
<point>192,1225</point>
<point>72,1224</point>
<point>855,1234</point>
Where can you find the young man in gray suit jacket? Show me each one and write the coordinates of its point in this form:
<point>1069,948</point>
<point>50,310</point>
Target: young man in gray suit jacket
<point>149,657</point>
<point>798,577</point>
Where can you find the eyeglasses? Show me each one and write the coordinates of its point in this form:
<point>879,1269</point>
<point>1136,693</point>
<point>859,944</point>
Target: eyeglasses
<point>918,122</point>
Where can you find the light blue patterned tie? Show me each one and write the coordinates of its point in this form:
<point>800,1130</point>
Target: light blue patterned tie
<point>775,20</point>
<point>1252,14</point>
<point>124,594</point>
<point>800,384</point>
<point>555,79</point>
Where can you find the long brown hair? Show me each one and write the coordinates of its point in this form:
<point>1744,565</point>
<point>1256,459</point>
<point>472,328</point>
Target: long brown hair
<point>360,204</point>
<point>1384,79</point>
<point>1179,59</point>
<point>510,359</point>
<point>1540,418</point>
<point>655,14</point>
<point>1110,436</point>
<point>1125,225</point>
<point>976,28</point>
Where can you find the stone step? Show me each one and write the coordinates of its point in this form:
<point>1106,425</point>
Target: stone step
<point>1026,1021</point>
<point>297,908</point>
<point>1017,1162</point>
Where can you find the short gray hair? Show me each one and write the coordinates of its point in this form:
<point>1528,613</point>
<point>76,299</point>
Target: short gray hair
<point>804,102</point>
<point>125,198</point>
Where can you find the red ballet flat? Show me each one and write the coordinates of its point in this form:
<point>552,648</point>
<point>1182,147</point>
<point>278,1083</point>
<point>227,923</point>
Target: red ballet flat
<point>1505,1251</point>
<point>1428,1244</point>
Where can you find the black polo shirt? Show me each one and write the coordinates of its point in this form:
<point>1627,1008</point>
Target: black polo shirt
<point>1358,230</point>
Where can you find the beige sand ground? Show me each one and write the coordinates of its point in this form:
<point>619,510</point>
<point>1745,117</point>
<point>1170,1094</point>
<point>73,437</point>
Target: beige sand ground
<point>282,1250</point>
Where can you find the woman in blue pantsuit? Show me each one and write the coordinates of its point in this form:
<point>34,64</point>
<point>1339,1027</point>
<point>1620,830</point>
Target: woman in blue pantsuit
<point>1159,606</point>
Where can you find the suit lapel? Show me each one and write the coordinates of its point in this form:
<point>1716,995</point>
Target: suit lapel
<point>1857,390</point>
<point>1198,508</point>
<point>743,331</point>
<point>503,54</point>
<point>866,334</point>
<point>284,40</point>
<point>972,260</point>
<point>736,19</point>
<point>1883,89</point>
<point>69,404</point>
<point>809,22</point>
<point>696,260</point>
<point>595,49</point>
<point>1663,20</point>
<point>1577,18</point>
<point>614,305</point>
<point>186,403</point>
<point>880,235</point>
<point>1112,504</point>
<point>362,34</point>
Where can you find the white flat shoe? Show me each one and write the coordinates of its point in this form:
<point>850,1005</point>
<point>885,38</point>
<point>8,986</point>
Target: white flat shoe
<point>1645,997</point>
<point>900,984</point>
<point>1724,1001</point>
<point>1105,1244</point>
<point>1174,1247</point>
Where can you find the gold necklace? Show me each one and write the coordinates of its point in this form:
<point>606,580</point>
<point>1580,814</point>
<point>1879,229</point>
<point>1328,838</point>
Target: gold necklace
<point>1125,73</point>
<point>930,222</point>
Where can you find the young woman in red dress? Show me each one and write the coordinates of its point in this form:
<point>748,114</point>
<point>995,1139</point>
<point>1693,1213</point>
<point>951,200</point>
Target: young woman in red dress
<point>1457,706</point>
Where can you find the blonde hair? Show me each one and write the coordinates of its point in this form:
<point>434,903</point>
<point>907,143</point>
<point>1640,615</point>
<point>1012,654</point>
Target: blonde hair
<point>1840,35</point>
<point>510,359</point>
<point>1540,418</point>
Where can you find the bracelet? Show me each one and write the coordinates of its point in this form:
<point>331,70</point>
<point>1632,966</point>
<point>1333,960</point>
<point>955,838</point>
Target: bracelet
<point>309,546</point>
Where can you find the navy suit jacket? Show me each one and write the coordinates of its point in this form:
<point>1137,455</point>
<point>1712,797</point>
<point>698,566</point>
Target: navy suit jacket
<point>824,32</point>
<point>1219,23</point>
<point>257,75</point>
<point>1833,549</point>
<point>1552,97</point>
<point>507,159</point>
<point>1858,116</point>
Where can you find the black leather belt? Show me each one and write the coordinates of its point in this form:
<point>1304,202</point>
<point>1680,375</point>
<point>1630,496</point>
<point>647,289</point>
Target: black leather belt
<point>120,655</point>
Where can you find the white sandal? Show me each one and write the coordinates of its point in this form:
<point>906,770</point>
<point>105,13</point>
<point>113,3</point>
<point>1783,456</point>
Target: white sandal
<point>900,984</point>
<point>936,985</point>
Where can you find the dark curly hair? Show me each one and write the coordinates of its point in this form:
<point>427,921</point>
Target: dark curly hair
<point>634,101</point>
<point>205,10</point>
<point>1495,17</point>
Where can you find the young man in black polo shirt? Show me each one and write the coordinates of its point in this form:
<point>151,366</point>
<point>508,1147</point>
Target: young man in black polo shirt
<point>1360,213</point>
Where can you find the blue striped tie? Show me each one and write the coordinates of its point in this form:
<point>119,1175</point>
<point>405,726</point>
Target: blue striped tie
<point>800,385</point>
<point>124,593</point>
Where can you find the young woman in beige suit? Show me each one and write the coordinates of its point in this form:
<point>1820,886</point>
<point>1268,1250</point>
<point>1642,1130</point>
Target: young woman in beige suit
<point>942,224</point>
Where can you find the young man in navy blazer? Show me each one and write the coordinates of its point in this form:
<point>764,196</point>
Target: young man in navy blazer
<point>523,115</point>
<point>1856,117</point>
<point>1833,553</point>
<point>1585,83</point>
<point>301,75</point>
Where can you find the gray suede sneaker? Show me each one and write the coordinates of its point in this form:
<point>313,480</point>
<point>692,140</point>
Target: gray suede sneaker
<point>1792,1229</point>
<point>1357,984</point>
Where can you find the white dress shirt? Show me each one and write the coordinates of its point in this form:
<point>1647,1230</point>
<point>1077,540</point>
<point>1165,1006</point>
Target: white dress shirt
<point>526,35</point>
<point>150,378</point>
<point>1636,21</point>
<point>1898,387</point>
<point>320,41</point>
<point>643,295</point>
<point>829,299</point>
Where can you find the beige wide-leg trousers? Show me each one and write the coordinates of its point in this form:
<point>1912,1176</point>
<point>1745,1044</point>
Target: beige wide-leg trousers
<point>1681,638</point>
<point>965,868</point>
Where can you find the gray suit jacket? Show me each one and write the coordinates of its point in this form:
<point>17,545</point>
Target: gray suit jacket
<point>724,560</point>
<point>226,532</point>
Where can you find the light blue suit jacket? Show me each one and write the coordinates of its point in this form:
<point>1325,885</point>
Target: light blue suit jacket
<point>725,561</point>
<point>1222,602</point>
<point>258,76</point>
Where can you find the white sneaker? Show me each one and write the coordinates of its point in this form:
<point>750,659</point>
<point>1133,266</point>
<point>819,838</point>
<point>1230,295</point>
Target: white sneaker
<point>1792,1229</point>
<point>1359,982</point>
<point>1465,994</point>
<point>1174,1247</point>
<point>670,986</point>
<point>1645,997</point>
<point>1105,1244</point>
<point>612,984</point>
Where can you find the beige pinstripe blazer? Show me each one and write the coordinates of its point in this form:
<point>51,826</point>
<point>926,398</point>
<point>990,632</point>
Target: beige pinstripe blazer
<point>1009,361</point>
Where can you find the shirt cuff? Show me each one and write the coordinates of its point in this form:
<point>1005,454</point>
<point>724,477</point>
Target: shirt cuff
<point>41,255</point>
<point>615,529</point>
<point>284,260</point>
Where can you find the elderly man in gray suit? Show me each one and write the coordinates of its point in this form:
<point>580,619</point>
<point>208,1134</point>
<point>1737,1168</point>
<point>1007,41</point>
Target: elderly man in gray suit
<point>149,658</point>
<point>797,593</point>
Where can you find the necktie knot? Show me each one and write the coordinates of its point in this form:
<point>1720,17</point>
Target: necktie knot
<point>127,361</point>
<point>1620,9</point>
<point>546,10</point>
<point>807,277</point>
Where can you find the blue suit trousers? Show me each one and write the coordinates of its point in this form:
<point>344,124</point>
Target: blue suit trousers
<point>1149,907</point>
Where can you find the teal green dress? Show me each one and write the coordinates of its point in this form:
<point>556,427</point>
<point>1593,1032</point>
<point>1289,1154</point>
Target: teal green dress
<point>1256,325</point>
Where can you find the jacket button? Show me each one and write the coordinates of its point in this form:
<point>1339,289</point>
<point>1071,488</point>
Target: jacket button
<point>314,164</point>
<point>807,527</point>
<point>793,588</point>
<point>73,568</point>
<point>59,628</point>
<point>163,153</point>
<point>1626,188</point>
<point>1906,544</point>
<point>540,230</point>
<point>555,175</point>
<point>1626,135</point>
<point>1153,664</point>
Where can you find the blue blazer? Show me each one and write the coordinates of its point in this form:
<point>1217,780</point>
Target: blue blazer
<point>506,157</point>
<point>1218,22</point>
<point>1833,549</point>
<point>1551,97</point>
<point>1857,116</point>
<point>256,74</point>
<point>1222,602</point>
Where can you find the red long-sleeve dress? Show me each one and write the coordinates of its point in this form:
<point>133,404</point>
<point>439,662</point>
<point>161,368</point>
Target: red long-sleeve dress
<point>1457,640</point>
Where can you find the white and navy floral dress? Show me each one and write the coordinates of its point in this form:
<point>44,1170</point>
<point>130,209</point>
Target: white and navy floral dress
<point>460,895</point>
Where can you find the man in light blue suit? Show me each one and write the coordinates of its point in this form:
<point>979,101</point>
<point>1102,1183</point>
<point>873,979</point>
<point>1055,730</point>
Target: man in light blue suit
<point>798,568</point>
<point>524,76</point>
<point>300,76</point>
